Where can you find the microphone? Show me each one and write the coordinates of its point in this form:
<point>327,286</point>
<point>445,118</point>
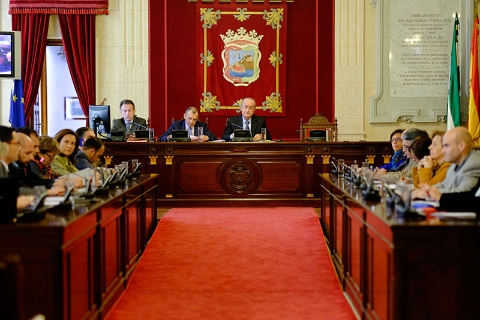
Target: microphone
<point>138,124</point>
<point>333,164</point>
<point>236,125</point>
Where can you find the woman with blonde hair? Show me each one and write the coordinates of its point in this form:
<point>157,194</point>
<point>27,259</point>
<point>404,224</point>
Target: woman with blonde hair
<point>432,168</point>
<point>40,166</point>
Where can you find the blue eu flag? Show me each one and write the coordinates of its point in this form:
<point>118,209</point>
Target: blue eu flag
<point>17,113</point>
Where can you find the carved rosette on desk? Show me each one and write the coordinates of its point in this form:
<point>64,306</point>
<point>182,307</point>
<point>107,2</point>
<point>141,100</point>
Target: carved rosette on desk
<point>241,177</point>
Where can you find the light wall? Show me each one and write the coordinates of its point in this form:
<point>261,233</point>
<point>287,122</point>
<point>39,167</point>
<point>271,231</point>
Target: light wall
<point>122,56</point>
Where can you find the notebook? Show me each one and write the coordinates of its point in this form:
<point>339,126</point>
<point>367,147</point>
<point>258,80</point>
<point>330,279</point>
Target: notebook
<point>180,136</point>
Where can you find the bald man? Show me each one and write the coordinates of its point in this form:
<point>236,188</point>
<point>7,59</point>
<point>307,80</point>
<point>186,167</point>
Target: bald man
<point>464,173</point>
<point>21,171</point>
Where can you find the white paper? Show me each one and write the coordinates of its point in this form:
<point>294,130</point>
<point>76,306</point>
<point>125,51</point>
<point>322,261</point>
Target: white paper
<point>457,215</point>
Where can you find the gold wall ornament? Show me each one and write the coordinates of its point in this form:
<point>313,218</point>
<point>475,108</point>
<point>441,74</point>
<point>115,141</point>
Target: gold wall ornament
<point>241,16</point>
<point>273,103</point>
<point>310,158</point>
<point>326,159</point>
<point>168,160</point>
<point>274,59</point>
<point>209,17</point>
<point>371,158</point>
<point>208,58</point>
<point>273,18</point>
<point>153,160</point>
<point>108,160</point>
<point>240,54</point>
<point>386,158</point>
<point>209,102</point>
<point>169,195</point>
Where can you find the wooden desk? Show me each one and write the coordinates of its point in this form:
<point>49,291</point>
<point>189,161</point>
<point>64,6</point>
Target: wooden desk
<point>242,173</point>
<point>77,263</point>
<point>394,269</point>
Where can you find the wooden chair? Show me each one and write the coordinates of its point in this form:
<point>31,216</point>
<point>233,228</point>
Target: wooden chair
<point>319,122</point>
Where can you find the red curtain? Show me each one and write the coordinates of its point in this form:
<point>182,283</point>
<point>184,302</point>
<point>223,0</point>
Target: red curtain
<point>34,28</point>
<point>78,33</point>
<point>58,6</point>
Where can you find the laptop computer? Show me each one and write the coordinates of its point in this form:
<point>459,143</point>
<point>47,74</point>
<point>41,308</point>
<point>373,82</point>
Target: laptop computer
<point>117,136</point>
<point>180,136</point>
<point>241,135</point>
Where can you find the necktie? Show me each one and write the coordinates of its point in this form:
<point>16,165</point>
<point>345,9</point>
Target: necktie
<point>129,126</point>
<point>190,133</point>
<point>247,127</point>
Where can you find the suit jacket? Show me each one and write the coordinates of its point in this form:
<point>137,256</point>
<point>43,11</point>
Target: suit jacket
<point>120,125</point>
<point>465,178</point>
<point>180,125</point>
<point>82,161</point>
<point>3,171</point>
<point>236,122</point>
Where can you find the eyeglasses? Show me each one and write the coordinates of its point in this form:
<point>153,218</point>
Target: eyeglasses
<point>50,156</point>
<point>396,140</point>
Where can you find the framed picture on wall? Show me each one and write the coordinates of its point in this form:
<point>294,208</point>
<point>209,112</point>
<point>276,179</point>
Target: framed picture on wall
<point>73,110</point>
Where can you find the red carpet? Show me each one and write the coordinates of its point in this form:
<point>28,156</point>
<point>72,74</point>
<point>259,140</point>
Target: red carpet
<point>235,263</point>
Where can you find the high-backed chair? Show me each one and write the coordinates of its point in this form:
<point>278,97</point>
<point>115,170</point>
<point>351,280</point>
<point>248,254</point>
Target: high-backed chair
<point>319,122</point>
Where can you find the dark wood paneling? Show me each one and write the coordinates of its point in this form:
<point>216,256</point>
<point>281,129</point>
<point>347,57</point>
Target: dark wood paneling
<point>221,174</point>
<point>397,269</point>
<point>75,261</point>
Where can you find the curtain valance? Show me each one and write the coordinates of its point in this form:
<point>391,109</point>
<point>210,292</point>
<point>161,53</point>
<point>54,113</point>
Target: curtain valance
<point>58,7</point>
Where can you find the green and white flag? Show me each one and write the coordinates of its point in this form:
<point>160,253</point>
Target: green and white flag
<point>453,103</point>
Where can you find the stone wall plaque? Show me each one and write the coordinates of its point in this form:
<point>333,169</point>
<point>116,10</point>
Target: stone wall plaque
<point>414,40</point>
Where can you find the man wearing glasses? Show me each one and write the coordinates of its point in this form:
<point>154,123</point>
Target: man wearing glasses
<point>9,137</point>
<point>247,121</point>
<point>407,139</point>
<point>399,159</point>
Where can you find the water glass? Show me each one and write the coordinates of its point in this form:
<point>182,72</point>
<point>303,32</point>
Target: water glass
<point>151,135</point>
<point>263,134</point>
<point>365,164</point>
<point>134,164</point>
<point>341,162</point>
<point>200,134</point>
<point>125,166</point>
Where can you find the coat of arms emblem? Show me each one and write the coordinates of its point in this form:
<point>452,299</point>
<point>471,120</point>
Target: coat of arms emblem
<point>241,56</point>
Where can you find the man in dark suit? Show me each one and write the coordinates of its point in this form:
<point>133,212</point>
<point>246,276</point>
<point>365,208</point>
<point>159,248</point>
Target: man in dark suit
<point>129,123</point>
<point>9,137</point>
<point>190,123</point>
<point>247,120</point>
